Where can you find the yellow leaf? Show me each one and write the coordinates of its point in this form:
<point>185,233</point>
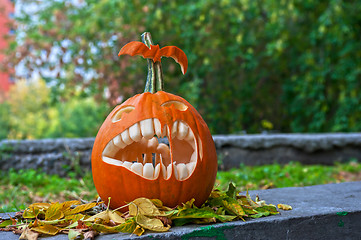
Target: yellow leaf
<point>143,206</point>
<point>40,205</point>
<point>74,217</point>
<point>65,205</point>
<point>80,208</point>
<point>54,212</point>
<point>46,229</point>
<point>138,230</point>
<point>32,212</point>
<point>102,215</point>
<point>153,224</point>
<point>116,217</point>
<point>284,206</point>
<point>106,216</point>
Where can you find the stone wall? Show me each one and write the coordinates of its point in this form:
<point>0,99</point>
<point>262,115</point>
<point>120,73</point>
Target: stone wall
<point>62,155</point>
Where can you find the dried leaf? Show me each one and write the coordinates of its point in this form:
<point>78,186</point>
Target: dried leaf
<point>284,206</point>
<point>54,212</point>
<point>29,235</point>
<point>116,217</point>
<point>66,205</point>
<point>40,205</point>
<point>33,212</point>
<point>128,227</point>
<point>153,224</point>
<point>80,208</point>
<point>106,216</point>
<point>74,234</point>
<point>46,229</point>
<point>143,206</point>
<point>90,235</point>
<point>250,201</point>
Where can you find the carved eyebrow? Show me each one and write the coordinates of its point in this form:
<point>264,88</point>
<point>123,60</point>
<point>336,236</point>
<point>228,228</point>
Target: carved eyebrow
<point>118,114</point>
<point>177,105</point>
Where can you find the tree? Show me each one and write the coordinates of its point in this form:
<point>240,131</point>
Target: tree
<point>294,64</point>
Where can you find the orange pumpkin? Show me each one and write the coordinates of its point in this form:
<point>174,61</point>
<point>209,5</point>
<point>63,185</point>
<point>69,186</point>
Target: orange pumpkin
<point>129,160</point>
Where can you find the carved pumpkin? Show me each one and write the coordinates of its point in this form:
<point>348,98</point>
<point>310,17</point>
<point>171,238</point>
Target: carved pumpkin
<point>129,161</point>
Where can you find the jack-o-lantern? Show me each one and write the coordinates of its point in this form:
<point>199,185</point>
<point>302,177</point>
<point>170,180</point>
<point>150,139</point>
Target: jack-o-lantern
<point>129,159</point>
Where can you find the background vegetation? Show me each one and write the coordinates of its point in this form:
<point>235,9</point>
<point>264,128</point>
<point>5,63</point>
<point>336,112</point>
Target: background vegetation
<point>287,66</point>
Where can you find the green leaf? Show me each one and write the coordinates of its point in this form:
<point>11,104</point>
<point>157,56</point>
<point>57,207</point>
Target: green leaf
<point>234,207</point>
<point>232,191</point>
<point>6,223</point>
<point>205,212</point>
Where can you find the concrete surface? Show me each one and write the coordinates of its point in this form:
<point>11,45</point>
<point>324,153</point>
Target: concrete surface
<point>331,211</point>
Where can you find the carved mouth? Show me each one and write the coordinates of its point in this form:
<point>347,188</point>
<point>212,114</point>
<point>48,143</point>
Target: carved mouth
<point>138,149</point>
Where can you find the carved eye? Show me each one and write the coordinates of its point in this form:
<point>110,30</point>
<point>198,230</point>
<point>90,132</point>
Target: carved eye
<point>118,115</point>
<point>177,105</point>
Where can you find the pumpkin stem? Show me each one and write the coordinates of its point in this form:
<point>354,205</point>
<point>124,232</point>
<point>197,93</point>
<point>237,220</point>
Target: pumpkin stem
<point>155,74</point>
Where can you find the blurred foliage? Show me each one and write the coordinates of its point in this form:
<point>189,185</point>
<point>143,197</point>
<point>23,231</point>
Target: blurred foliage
<point>28,114</point>
<point>288,66</point>
<point>28,100</point>
<point>4,120</point>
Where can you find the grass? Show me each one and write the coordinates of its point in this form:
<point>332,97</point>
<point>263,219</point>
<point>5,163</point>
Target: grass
<point>19,189</point>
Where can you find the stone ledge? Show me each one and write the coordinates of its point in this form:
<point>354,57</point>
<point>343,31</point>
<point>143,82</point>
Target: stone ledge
<point>330,211</point>
<point>59,155</point>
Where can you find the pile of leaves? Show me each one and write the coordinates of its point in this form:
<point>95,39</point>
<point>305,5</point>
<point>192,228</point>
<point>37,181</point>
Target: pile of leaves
<point>80,219</point>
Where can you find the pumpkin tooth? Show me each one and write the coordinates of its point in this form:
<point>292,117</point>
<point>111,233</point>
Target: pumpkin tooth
<point>148,171</point>
<point>119,142</point>
<point>175,171</point>
<point>112,161</point>
<point>127,164</point>
<point>169,171</point>
<point>125,137</point>
<point>153,144</point>
<point>110,149</point>
<point>137,168</point>
<point>164,151</point>
<point>182,130</point>
<point>182,171</point>
<point>157,171</point>
<point>174,129</point>
<point>193,157</point>
<point>190,166</point>
<point>134,132</point>
<point>147,128</point>
<point>190,136</point>
<point>158,128</point>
